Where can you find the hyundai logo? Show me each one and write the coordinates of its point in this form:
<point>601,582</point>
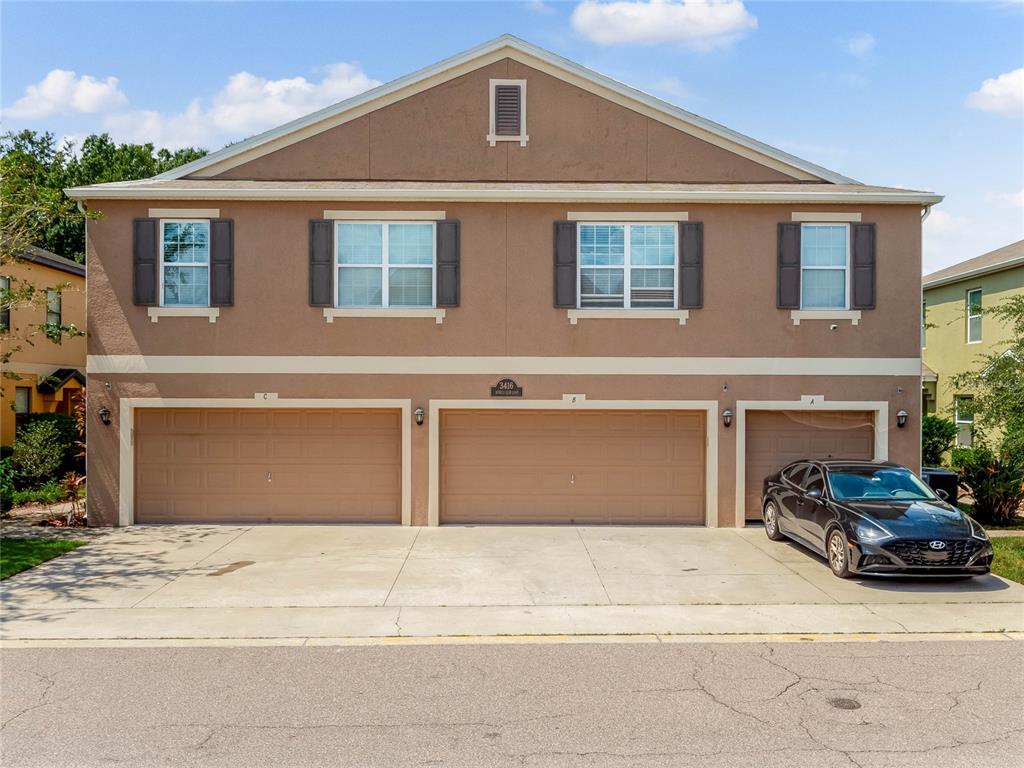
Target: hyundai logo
<point>937,545</point>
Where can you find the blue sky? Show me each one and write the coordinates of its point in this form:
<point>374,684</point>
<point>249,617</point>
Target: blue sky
<point>888,93</point>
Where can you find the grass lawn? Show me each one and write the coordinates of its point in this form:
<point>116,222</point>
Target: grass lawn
<point>17,555</point>
<point>1009,559</point>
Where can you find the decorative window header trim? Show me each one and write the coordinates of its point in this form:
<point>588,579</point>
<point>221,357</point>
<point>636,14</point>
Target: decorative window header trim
<point>826,217</point>
<point>628,217</point>
<point>184,213</point>
<point>385,215</point>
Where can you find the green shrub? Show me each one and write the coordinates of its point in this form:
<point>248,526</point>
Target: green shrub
<point>39,452</point>
<point>50,492</point>
<point>994,477</point>
<point>6,484</point>
<point>937,436</point>
<point>69,436</point>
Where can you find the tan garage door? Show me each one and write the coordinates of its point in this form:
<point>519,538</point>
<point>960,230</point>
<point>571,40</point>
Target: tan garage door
<point>775,438</point>
<point>267,465</point>
<point>586,467</point>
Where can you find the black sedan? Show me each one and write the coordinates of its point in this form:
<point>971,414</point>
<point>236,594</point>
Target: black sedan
<point>872,517</point>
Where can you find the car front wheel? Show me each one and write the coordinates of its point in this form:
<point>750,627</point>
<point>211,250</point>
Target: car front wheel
<point>838,554</point>
<point>771,522</point>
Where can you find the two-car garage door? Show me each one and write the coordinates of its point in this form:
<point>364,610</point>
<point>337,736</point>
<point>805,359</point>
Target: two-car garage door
<point>200,465</point>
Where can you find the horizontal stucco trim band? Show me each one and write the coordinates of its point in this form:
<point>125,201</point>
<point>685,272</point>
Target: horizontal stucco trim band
<point>500,366</point>
<point>580,195</point>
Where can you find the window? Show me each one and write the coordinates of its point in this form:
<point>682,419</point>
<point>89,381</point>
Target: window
<point>627,265</point>
<point>5,309</point>
<point>184,263</point>
<point>814,481</point>
<point>385,264</point>
<point>22,400</point>
<point>53,307</point>
<point>924,323</point>
<point>794,473</point>
<point>964,407</point>
<point>508,112</point>
<point>974,316</point>
<point>824,258</point>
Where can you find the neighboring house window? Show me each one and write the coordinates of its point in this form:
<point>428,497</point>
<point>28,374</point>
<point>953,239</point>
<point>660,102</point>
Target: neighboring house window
<point>507,112</point>
<point>964,420</point>
<point>628,265</point>
<point>385,264</point>
<point>22,400</point>
<point>184,263</point>
<point>53,307</point>
<point>5,311</point>
<point>824,258</point>
<point>974,316</point>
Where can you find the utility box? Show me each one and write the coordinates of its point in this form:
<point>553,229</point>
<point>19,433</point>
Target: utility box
<point>941,479</point>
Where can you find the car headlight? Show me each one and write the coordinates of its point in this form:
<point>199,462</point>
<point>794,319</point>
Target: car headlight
<point>870,534</point>
<point>977,532</point>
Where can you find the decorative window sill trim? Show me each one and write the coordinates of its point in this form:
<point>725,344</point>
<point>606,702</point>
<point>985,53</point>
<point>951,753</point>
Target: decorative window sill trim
<point>493,139</point>
<point>438,314</point>
<point>853,315</point>
<point>681,315</point>
<point>211,313</point>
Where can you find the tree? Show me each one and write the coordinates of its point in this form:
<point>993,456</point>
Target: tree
<point>937,436</point>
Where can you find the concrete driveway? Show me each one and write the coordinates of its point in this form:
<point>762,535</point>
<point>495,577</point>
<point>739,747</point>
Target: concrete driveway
<point>292,583</point>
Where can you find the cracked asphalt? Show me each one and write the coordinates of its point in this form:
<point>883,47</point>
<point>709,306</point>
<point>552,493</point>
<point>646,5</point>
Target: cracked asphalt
<point>794,704</point>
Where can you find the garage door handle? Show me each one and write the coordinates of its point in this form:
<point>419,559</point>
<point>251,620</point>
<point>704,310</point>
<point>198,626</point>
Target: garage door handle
<point>269,478</point>
<point>572,478</point>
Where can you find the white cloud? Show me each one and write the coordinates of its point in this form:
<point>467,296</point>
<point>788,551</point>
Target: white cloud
<point>672,87</point>
<point>946,239</point>
<point>860,45</point>
<point>1007,199</point>
<point>1003,94</point>
<point>541,7</point>
<point>63,91</point>
<point>700,24</point>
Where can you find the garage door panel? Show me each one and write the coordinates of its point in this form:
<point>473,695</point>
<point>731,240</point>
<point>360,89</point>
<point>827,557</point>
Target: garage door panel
<point>776,438</point>
<point>212,465</point>
<point>592,467</point>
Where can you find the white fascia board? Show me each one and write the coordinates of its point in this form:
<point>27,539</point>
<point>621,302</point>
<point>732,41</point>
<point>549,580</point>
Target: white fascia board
<point>540,195</point>
<point>507,45</point>
<point>974,273</point>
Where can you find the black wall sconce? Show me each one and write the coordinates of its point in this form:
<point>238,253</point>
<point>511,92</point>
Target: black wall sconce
<point>901,418</point>
<point>727,418</point>
<point>104,414</point>
<point>418,415</point>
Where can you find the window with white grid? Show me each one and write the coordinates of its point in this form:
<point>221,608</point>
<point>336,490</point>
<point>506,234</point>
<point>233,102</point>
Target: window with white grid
<point>824,261</point>
<point>632,266</point>
<point>185,263</point>
<point>382,264</point>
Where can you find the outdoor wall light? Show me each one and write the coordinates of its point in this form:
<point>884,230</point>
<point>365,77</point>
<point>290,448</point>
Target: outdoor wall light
<point>727,417</point>
<point>418,415</point>
<point>901,418</point>
<point>104,414</point>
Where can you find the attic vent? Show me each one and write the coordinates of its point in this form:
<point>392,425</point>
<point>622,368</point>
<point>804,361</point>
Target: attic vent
<point>508,112</point>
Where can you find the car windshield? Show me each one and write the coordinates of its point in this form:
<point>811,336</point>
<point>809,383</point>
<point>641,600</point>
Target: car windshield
<point>850,483</point>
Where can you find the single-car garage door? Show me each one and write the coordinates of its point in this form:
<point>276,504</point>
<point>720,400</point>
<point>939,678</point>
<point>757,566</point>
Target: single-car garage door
<point>198,465</point>
<point>775,438</point>
<point>586,467</point>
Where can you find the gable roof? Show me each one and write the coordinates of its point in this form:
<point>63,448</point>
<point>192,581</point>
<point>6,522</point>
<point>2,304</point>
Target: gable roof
<point>49,385</point>
<point>505,46</point>
<point>48,259</point>
<point>1008,256</point>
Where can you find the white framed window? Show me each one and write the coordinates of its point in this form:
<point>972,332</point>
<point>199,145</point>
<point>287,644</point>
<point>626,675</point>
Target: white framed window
<point>964,417</point>
<point>632,266</point>
<point>824,266</point>
<point>385,264</point>
<point>924,323</point>
<point>184,263</point>
<point>973,307</point>
<point>53,307</point>
<point>507,112</point>
<point>22,400</point>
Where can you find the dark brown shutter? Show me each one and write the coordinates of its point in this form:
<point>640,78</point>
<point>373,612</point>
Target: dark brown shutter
<point>691,265</point>
<point>863,266</point>
<point>145,258</point>
<point>222,262</point>
<point>321,263</point>
<point>565,264</point>
<point>508,105</point>
<point>448,263</point>
<point>789,266</point>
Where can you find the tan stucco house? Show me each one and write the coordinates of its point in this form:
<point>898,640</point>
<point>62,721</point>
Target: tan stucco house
<point>42,376</point>
<point>502,289</point>
<point>957,335</point>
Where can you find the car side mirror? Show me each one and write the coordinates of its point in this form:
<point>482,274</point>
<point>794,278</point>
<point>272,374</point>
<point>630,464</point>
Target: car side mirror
<point>814,493</point>
<point>941,493</point>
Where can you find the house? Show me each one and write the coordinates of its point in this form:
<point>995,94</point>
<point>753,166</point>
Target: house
<point>42,376</point>
<point>502,289</point>
<point>956,335</point>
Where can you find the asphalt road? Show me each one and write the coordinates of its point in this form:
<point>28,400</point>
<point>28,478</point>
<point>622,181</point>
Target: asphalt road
<point>673,704</point>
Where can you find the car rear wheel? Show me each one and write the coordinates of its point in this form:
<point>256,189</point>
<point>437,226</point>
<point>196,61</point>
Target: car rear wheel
<point>838,552</point>
<point>771,522</point>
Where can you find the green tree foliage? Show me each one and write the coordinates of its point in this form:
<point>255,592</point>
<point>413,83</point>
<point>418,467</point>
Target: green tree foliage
<point>937,436</point>
<point>995,478</point>
<point>38,453</point>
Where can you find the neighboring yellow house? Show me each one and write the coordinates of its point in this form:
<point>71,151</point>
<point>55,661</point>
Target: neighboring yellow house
<point>48,373</point>
<point>956,333</point>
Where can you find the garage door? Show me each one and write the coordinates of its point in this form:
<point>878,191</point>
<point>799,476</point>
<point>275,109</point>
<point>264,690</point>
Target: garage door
<point>267,465</point>
<point>587,467</point>
<point>775,438</point>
